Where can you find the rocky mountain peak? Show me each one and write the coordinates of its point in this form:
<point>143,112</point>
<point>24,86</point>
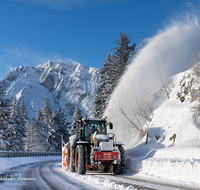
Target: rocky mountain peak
<point>66,85</point>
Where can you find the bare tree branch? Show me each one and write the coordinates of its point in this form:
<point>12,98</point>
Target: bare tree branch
<point>142,114</point>
<point>136,116</point>
<point>195,66</point>
<point>135,126</point>
<point>143,110</point>
<point>163,90</point>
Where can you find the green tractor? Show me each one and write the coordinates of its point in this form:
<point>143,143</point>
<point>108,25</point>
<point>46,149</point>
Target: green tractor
<point>91,147</point>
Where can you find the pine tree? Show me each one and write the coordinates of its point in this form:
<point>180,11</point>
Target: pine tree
<point>25,124</point>
<point>50,118</point>
<point>76,113</point>
<point>42,133</point>
<point>123,53</point>
<point>17,129</point>
<point>106,86</point>
<point>4,121</point>
<point>98,101</point>
<point>58,117</point>
<point>37,134</point>
<point>24,116</point>
<point>60,126</point>
<point>113,68</point>
<point>30,140</point>
<point>47,112</point>
<point>24,113</point>
<point>36,139</point>
<point>39,116</point>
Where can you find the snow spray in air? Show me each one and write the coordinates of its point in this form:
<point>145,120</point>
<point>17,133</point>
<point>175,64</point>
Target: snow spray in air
<point>173,48</point>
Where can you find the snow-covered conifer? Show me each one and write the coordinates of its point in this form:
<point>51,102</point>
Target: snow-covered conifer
<point>113,68</point>
<point>76,113</point>
<point>39,116</point>
<point>60,127</point>
<point>42,133</point>
<point>47,112</point>
<point>30,140</point>
<point>37,134</point>
<point>36,139</point>
<point>99,102</point>
<point>106,86</point>
<point>24,113</point>
<point>17,129</point>
<point>4,121</point>
<point>123,53</point>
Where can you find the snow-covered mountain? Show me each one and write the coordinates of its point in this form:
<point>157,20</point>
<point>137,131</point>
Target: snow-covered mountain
<point>67,85</point>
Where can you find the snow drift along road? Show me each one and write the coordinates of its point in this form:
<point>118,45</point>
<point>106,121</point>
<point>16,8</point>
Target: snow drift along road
<point>174,48</point>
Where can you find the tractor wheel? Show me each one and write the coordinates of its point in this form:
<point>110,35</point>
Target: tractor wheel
<point>81,159</point>
<point>70,159</point>
<point>86,155</point>
<point>120,167</point>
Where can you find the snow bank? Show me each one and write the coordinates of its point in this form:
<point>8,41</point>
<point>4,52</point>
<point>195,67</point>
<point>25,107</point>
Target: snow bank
<point>175,162</point>
<point>99,181</point>
<point>12,162</point>
<point>174,170</point>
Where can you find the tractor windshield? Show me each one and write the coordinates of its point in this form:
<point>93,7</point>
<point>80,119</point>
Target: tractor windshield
<point>91,126</point>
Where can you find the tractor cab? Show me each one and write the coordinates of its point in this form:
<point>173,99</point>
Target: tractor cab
<point>92,126</point>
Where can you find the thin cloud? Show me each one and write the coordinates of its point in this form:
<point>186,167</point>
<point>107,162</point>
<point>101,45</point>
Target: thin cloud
<point>11,57</point>
<point>24,56</point>
<point>66,4</point>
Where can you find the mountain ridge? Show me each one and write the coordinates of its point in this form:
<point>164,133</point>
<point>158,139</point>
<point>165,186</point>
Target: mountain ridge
<point>66,85</point>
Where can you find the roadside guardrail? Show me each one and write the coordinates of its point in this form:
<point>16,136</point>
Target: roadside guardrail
<point>5,154</point>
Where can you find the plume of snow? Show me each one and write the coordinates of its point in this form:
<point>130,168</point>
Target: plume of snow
<point>173,48</point>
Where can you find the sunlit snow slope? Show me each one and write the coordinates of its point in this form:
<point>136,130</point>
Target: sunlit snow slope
<point>173,48</point>
<point>173,149</point>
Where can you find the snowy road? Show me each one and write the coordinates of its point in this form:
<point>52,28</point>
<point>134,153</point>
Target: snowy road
<point>48,175</point>
<point>44,175</point>
<point>138,184</point>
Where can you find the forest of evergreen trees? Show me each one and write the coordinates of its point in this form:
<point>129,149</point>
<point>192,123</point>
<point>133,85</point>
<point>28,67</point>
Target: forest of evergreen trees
<point>19,133</point>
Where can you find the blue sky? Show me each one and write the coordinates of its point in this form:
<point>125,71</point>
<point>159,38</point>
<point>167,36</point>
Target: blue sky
<point>35,31</point>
